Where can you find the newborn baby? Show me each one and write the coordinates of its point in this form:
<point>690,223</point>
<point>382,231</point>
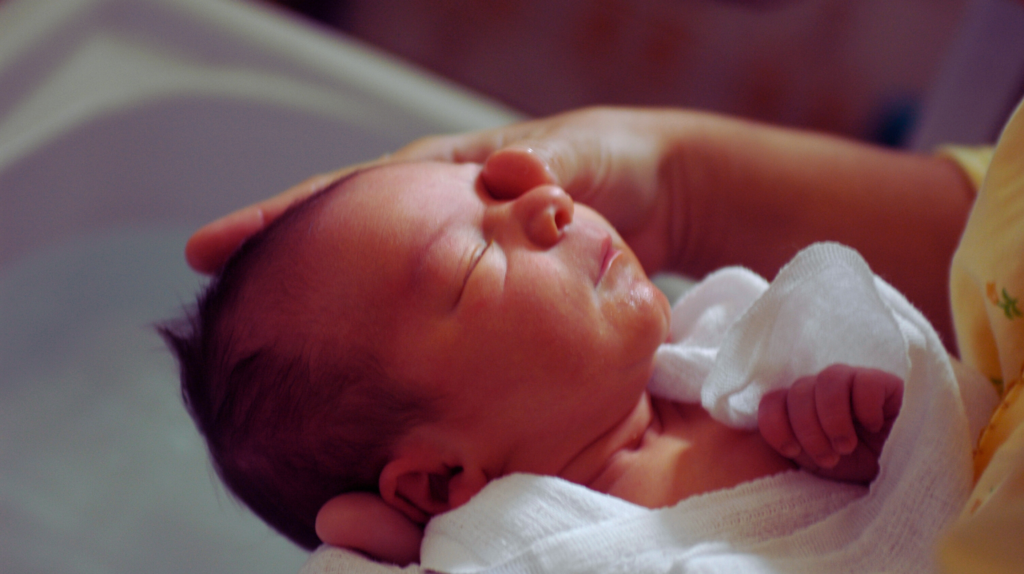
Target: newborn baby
<point>406,334</point>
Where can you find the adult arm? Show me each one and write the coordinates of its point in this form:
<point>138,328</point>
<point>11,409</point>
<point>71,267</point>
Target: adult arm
<point>768,192</point>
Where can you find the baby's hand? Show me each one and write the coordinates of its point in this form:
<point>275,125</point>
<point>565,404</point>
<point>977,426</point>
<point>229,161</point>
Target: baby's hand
<point>835,423</point>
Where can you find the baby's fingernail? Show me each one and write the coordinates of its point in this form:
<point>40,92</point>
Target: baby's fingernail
<point>791,450</point>
<point>828,461</point>
<point>844,445</point>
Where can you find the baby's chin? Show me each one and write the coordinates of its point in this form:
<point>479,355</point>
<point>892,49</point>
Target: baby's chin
<point>647,310</point>
<point>642,311</point>
<point>664,308</point>
<point>661,313</point>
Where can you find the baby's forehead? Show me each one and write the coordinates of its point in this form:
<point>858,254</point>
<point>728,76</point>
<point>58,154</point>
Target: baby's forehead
<point>372,230</point>
<point>389,240</point>
<point>406,177</point>
<point>400,206</point>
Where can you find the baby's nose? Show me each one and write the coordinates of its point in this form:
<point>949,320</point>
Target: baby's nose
<point>543,212</point>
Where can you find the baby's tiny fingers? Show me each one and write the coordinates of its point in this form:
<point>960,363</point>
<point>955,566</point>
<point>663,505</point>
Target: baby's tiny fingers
<point>773,422</point>
<point>803,417</point>
<point>832,398</point>
<point>877,397</point>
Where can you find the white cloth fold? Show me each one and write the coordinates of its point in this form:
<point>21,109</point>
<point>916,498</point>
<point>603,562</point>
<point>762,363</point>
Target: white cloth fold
<point>734,339</point>
<point>825,307</point>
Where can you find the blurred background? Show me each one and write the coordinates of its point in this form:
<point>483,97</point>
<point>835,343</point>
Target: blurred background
<point>127,124</point>
<point>855,68</point>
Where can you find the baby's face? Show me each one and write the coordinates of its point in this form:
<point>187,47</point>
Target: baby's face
<point>531,318</point>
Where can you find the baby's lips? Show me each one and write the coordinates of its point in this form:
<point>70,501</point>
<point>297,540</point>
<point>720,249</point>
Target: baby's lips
<point>608,253</point>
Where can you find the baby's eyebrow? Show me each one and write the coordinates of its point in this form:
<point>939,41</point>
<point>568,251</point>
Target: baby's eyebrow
<point>452,242</point>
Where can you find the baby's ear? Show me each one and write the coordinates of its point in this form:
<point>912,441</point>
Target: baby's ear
<point>422,486</point>
<point>364,522</point>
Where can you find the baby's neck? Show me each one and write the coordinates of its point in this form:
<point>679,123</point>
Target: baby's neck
<point>627,434</point>
<point>664,451</point>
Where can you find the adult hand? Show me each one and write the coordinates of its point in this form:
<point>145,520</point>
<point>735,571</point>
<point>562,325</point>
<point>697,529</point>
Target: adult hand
<point>692,192</point>
<point>210,247</point>
<point>363,522</point>
<point>606,158</point>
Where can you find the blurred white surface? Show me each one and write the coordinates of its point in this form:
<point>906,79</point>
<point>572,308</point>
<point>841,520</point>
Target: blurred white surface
<point>124,125</point>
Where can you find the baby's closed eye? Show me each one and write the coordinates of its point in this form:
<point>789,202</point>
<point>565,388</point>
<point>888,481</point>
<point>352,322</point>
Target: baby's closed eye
<point>474,261</point>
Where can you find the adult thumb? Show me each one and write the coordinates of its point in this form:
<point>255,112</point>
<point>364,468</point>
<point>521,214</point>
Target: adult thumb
<point>512,171</point>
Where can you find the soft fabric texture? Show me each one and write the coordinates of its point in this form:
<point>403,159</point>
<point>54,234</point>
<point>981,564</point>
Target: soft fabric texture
<point>986,286</point>
<point>333,560</point>
<point>824,307</point>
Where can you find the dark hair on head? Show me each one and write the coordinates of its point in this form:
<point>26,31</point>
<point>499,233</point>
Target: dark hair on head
<point>286,430</point>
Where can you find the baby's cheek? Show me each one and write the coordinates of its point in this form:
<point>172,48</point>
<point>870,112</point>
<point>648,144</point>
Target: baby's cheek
<point>644,315</point>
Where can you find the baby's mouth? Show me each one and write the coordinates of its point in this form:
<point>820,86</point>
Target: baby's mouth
<point>608,254</point>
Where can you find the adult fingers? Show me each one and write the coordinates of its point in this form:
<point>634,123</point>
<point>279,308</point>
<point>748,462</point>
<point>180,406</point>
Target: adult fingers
<point>514,162</point>
<point>364,522</point>
<point>468,147</point>
<point>517,158</point>
<point>209,248</point>
<point>602,157</point>
<point>476,146</point>
<point>832,399</point>
<point>512,171</point>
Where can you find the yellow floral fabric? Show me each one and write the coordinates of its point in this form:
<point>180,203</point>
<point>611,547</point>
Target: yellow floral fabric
<point>987,290</point>
<point>973,160</point>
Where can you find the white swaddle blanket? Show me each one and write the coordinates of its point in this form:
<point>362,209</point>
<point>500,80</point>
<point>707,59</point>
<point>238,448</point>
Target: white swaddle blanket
<point>734,338</point>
